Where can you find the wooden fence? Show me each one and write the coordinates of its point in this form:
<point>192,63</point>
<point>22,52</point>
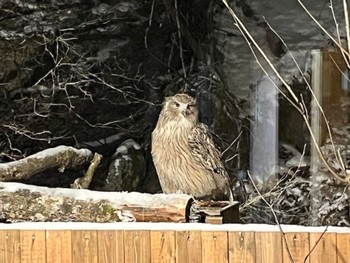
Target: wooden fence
<point>147,242</point>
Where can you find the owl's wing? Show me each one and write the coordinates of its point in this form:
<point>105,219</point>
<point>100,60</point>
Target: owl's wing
<point>203,149</point>
<point>205,153</point>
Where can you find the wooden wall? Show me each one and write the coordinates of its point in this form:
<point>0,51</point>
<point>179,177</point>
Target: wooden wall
<point>102,246</point>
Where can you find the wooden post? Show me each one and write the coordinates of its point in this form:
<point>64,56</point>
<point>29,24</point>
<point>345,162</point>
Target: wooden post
<point>33,246</point>
<point>214,246</point>
<point>10,250</point>
<point>163,246</point>
<point>268,247</point>
<point>298,245</point>
<point>326,248</point>
<point>138,246</point>
<point>343,248</point>
<point>84,246</point>
<point>58,246</point>
<point>189,246</point>
<point>241,247</point>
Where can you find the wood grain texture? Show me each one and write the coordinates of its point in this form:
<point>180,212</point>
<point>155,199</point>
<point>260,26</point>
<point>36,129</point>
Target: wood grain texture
<point>268,247</point>
<point>137,246</point>
<point>110,246</point>
<point>163,246</point>
<point>59,246</point>
<point>188,246</point>
<point>84,246</point>
<point>326,248</point>
<point>343,248</point>
<point>214,246</point>
<point>241,247</point>
<point>33,247</point>
<point>298,245</point>
<point>10,251</point>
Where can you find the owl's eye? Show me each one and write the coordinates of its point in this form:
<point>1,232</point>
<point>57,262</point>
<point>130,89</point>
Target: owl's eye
<point>190,107</point>
<point>177,104</point>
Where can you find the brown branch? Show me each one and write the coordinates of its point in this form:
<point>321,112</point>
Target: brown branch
<point>84,182</point>
<point>315,245</point>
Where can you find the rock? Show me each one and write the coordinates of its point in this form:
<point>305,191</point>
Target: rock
<point>127,167</point>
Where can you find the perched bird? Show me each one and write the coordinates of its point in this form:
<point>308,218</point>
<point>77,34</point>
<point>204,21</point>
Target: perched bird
<point>184,153</point>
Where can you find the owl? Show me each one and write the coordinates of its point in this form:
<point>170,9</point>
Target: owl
<point>184,153</point>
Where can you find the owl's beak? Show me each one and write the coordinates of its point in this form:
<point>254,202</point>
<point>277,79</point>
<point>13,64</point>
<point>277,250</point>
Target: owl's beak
<point>183,110</point>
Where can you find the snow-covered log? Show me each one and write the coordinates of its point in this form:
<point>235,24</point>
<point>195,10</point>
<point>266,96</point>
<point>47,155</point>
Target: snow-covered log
<point>60,156</point>
<point>20,202</point>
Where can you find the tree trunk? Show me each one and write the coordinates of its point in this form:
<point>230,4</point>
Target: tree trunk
<point>20,202</point>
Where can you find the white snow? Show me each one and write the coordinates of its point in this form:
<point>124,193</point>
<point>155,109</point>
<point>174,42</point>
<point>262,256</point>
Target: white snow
<point>46,153</point>
<point>127,144</point>
<point>56,150</point>
<point>171,227</point>
<point>117,198</point>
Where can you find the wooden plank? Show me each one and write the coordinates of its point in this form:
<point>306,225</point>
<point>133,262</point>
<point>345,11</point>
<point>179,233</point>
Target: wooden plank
<point>10,251</point>
<point>189,246</point>
<point>298,246</point>
<point>163,246</point>
<point>84,246</point>
<point>241,247</point>
<point>58,246</point>
<point>268,247</point>
<point>326,248</point>
<point>33,247</point>
<point>137,246</point>
<point>214,246</point>
<point>343,248</point>
<point>110,246</point>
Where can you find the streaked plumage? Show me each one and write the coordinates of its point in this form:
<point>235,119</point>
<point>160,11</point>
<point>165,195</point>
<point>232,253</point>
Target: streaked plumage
<point>184,153</point>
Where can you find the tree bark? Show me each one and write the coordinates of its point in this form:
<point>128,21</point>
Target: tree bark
<point>20,202</point>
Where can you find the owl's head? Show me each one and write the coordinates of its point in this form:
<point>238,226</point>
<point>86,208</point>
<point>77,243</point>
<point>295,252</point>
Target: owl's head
<point>181,106</point>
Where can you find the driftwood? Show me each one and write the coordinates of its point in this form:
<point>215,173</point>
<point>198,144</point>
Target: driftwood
<point>20,202</point>
<point>60,156</point>
<point>84,182</point>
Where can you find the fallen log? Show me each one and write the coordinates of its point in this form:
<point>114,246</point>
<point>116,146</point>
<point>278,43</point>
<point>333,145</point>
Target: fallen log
<point>20,202</point>
<point>61,156</point>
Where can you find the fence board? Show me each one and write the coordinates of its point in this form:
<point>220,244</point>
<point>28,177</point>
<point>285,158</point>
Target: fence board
<point>84,246</point>
<point>110,246</point>
<point>163,246</point>
<point>58,246</point>
<point>268,247</point>
<point>119,246</point>
<point>10,246</point>
<point>325,250</point>
<point>33,247</point>
<point>241,247</point>
<point>298,245</point>
<point>214,246</point>
<point>137,246</point>
<point>343,248</point>
<point>188,246</point>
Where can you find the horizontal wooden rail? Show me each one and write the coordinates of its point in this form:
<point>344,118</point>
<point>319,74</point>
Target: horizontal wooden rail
<point>152,242</point>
